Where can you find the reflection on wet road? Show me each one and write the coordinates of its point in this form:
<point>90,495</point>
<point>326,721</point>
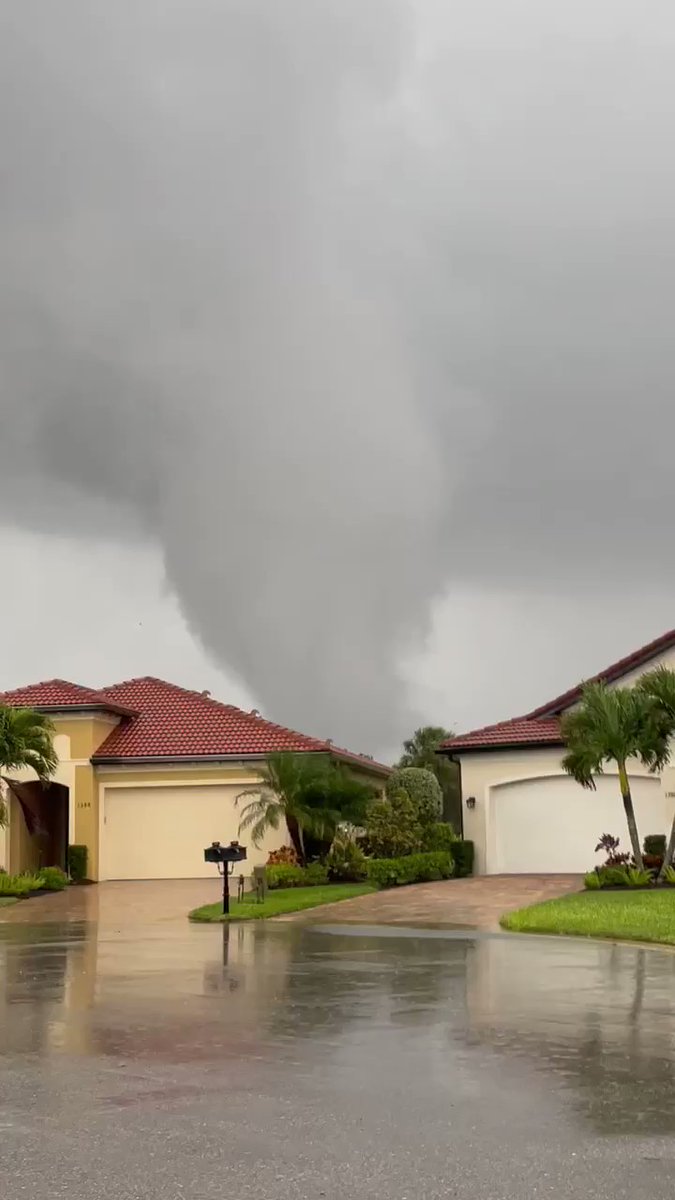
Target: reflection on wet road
<point>301,1061</point>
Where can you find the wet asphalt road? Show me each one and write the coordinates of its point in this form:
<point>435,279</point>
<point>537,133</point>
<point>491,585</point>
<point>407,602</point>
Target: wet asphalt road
<point>309,1062</point>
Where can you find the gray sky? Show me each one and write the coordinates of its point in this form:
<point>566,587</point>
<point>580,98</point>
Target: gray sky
<point>336,357</point>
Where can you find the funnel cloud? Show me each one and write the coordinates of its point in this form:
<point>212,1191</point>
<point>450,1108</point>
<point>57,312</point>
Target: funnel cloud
<point>341,307</point>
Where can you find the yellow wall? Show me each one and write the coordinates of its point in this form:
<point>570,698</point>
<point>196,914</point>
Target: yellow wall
<point>76,738</point>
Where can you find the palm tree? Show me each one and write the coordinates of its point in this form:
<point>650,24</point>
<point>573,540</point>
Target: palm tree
<point>615,725</point>
<point>26,740</point>
<point>420,750</point>
<point>291,790</point>
<point>659,684</point>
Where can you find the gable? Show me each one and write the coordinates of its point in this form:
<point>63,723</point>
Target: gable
<point>541,726</point>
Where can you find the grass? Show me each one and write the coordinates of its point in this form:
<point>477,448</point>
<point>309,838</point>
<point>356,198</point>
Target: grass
<point>631,916</point>
<point>285,900</point>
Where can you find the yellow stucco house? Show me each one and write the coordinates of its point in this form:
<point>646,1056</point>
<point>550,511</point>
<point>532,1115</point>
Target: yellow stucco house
<point>147,777</point>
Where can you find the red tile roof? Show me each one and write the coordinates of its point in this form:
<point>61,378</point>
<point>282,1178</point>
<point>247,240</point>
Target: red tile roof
<point>541,726</point>
<point>520,731</point>
<point>173,722</point>
<point>58,694</point>
<point>163,721</point>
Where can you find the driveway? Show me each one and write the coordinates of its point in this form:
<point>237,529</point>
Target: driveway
<point>475,903</point>
<point>116,906</point>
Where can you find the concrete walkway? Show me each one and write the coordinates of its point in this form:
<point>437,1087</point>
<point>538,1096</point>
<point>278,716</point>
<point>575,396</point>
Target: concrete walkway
<point>475,903</point>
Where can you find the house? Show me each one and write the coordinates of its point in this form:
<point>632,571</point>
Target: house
<point>147,777</point>
<point>522,811</point>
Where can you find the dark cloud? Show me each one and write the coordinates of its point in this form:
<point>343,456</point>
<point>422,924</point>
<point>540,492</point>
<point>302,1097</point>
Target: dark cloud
<point>340,304</point>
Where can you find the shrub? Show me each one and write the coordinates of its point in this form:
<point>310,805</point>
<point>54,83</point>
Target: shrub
<point>53,878</point>
<point>613,876</point>
<point>637,878</point>
<point>462,852</point>
<point>411,868</point>
<point>346,861</point>
<point>290,876</point>
<point>284,856</point>
<point>652,862</point>
<point>423,789</point>
<point>669,875</point>
<point>77,863</point>
<point>610,844</point>
<point>439,836</point>
<point>392,829</point>
<point>655,845</point>
<point>592,881</point>
<point>19,885</point>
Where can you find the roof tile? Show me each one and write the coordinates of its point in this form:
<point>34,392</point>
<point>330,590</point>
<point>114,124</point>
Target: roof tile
<point>520,731</point>
<point>60,693</point>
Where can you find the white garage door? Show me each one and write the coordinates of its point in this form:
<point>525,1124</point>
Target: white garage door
<point>161,832</point>
<point>553,824</point>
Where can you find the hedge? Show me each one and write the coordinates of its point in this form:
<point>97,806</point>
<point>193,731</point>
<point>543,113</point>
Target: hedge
<point>288,877</point>
<point>413,868</point>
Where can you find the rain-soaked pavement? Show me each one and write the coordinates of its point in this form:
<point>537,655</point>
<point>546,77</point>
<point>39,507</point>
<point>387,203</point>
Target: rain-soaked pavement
<point>291,1061</point>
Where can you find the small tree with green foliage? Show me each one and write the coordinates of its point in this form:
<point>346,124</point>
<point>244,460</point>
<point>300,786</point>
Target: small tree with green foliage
<point>424,791</point>
<point>615,725</point>
<point>420,750</point>
<point>309,793</point>
<point>392,827</point>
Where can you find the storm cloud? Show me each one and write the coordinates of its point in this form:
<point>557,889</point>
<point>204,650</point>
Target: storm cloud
<point>342,304</point>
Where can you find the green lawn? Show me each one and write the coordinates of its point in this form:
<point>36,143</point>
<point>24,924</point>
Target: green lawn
<point>633,916</point>
<point>284,900</point>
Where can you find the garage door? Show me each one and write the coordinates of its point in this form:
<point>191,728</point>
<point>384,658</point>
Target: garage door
<point>542,825</point>
<point>161,832</point>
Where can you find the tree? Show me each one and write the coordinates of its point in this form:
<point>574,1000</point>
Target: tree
<point>420,751</point>
<point>424,791</point>
<point>393,829</point>
<point>659,684</point>
<point>615,725</point>
<point>310,793</point>
<point>26,740</point>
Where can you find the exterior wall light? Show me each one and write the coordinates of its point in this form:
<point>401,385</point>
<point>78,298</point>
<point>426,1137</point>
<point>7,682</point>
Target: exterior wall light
<point>471,802</point>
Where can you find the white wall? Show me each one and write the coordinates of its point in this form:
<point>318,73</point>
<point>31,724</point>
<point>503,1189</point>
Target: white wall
<point>552,825</point>
<point>485,774</point>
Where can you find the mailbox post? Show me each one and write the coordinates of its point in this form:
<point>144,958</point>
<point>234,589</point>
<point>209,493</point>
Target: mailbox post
<point>225,857</point>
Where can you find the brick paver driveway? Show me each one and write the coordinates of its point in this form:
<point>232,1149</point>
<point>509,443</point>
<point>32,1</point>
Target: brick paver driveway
<point>475,903</point>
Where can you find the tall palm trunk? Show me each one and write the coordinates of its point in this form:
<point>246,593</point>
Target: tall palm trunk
<point>668,856</point>
<point>630,816</point>
<point>297,841</point>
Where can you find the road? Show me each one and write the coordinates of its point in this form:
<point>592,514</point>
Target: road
<point>150,1058</point>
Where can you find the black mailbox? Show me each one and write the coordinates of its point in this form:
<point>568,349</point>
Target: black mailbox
<point>215,853</point>
<point>224,858</point>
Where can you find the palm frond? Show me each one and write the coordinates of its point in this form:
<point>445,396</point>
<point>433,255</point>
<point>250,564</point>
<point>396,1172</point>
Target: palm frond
<point>26,740</point>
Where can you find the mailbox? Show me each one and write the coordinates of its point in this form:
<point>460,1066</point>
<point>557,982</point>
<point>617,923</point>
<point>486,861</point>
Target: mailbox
<point>224,857</point>
<point>215,853</point>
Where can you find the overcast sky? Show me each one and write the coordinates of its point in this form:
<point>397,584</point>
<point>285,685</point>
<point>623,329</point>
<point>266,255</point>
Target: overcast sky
<point>336,349</point>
